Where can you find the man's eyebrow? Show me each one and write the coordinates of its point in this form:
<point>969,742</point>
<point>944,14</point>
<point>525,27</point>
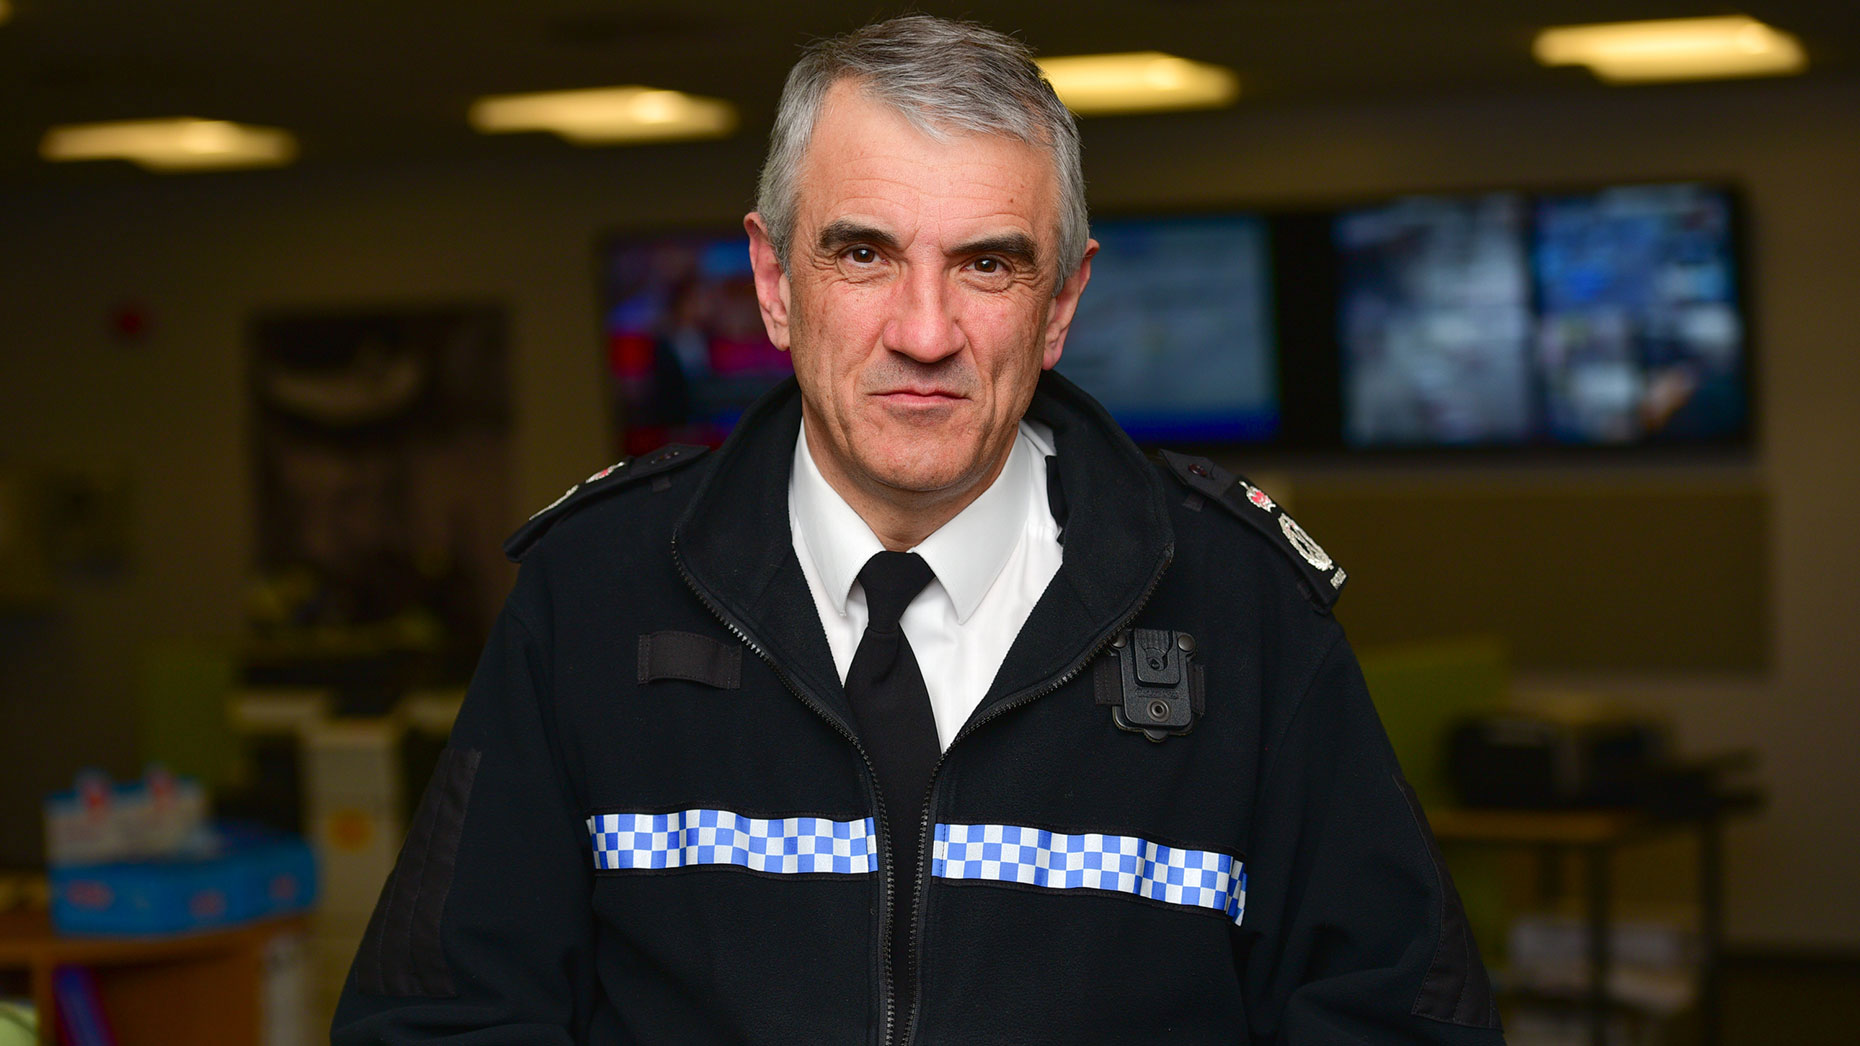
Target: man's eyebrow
<point>838,235</point>
<point>1016,245</point>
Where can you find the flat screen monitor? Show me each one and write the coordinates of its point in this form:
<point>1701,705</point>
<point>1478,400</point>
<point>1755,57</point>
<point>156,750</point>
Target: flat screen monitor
<point>1434,321</point>
<point>1604,317</point>
<point>686,349</point>
<point>1174,334</point>
<point>1640,337</point>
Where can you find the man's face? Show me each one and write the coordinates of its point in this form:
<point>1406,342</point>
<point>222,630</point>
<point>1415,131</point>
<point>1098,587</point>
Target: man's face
<point>918,302</point>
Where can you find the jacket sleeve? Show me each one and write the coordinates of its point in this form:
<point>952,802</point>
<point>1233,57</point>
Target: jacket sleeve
<point>483,932</point>
<point>1353,931</point>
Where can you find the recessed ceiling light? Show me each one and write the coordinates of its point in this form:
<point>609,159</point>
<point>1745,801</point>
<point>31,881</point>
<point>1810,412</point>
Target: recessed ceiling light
<point>1674,49</point>
<point>607,115</point>
<point>181,143</point>
<point>1138,81</point>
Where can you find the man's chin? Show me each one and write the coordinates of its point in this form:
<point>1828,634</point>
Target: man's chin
<point>924,474</point>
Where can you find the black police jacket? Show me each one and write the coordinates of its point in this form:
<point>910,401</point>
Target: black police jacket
<point>655,822</point>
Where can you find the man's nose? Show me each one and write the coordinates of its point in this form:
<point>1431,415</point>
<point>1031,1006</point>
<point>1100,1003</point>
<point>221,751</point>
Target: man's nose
<point>923,323</point>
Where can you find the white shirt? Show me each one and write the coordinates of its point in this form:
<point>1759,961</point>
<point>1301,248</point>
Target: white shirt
<point>992,562</point>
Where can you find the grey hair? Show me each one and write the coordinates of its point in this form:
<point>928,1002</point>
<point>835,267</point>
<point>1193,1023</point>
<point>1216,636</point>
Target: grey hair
<point>943,76</point>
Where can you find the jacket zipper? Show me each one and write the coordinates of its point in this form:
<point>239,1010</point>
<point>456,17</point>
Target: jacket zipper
<point>879,823</point>
<point>1025,697</point>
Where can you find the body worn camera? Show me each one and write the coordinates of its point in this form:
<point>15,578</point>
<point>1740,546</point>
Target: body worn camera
<point>1151,682</point>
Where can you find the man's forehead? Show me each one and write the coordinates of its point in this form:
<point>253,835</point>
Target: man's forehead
<point>899,210</point>
<point>868,164</point>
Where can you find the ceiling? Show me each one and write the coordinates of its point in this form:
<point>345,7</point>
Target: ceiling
<point>367,80</point>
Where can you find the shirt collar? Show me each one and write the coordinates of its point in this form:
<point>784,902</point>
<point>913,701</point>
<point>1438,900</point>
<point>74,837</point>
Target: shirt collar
<point>967,553</point>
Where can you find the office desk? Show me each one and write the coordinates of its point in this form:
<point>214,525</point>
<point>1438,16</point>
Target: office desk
<point>186,988</point>
<point>1595,835</point>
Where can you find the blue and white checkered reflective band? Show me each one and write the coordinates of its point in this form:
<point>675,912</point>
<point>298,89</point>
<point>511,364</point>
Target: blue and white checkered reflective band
<point>687,838</point>
<point>1122,863</point>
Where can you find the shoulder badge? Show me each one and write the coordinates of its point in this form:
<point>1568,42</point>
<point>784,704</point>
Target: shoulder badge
<point>1324,578</point>
<point>614,477</point>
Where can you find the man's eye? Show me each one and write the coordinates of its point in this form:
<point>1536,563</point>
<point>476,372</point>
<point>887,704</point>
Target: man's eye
<point>989,266</point>
<point>862,255</point>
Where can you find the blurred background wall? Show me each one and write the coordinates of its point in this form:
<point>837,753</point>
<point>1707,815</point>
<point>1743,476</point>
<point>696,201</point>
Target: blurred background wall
<point>165,411</point>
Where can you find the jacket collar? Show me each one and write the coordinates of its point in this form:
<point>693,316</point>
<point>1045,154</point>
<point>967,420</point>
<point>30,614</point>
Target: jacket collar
<point>734,546</point>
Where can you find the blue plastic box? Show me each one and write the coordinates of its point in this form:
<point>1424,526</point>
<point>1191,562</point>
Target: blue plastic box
<point>253,874</point>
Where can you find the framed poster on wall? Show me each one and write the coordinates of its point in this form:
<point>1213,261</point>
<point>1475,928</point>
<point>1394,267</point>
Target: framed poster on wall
<point>381,471</point>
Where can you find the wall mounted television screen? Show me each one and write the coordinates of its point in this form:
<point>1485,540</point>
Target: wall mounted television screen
<point>1607,317</point>
<point>1174,334</point>
<point>686,350</point>
<point>1434,321</point>
<point>1639,335</point>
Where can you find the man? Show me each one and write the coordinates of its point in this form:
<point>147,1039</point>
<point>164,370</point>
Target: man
<point>926,710</point>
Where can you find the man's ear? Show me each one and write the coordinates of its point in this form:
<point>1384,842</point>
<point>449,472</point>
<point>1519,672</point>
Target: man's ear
<point>771,281</point>
<point>1065,304</point>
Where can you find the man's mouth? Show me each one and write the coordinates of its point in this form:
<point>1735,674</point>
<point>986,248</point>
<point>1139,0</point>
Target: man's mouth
<point>919,396</point>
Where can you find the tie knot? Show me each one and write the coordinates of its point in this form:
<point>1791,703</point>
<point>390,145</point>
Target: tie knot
<point>891,581</point>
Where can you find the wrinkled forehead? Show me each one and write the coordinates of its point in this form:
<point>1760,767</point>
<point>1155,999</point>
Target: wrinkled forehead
<point>866,150</point>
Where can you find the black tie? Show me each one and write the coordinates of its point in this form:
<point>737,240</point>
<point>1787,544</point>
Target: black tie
<point>888,697</point>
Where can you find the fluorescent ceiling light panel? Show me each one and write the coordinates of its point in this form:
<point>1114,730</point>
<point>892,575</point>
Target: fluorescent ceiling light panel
<point>1138,82</point>
<point>1674,49</point>
<point>607,115</point>
<point>181,143</point>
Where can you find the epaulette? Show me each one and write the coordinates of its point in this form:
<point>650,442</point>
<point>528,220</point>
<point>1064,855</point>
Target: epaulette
<point>614,477</point>
<point>1323,577</point>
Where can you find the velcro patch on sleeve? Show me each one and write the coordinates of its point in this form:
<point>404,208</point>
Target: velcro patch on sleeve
<point>1456,989</point>
<point>401,953</point>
